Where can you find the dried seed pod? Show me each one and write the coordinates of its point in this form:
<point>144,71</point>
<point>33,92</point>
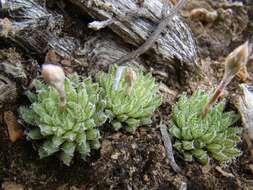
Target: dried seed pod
<point>54,75</point>
<point>234,62</point>
<point>130,78</point>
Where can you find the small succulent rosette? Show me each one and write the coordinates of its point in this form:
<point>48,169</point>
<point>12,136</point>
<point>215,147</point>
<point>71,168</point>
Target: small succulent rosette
<point>131,97</point>
<point>67,131</point>
<point>201,137</point>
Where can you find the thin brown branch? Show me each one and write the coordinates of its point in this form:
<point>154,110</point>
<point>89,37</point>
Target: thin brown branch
<point>154,36</point>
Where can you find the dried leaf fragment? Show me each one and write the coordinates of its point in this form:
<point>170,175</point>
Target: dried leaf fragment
<point>5,27</point>
<point>203,14</point>
<point>52,57</point>
<point>243,75</point>
<point>224,173</point>
<point>15,131</point>
<point>12,186</point>
<point>251,168</point>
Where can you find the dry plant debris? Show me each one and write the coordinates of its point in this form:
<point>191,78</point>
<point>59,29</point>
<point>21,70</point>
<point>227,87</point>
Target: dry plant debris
<point>15,131</point>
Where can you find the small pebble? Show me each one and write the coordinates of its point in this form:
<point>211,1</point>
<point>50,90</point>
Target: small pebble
<point>115,156</point>
<point>146,178</point>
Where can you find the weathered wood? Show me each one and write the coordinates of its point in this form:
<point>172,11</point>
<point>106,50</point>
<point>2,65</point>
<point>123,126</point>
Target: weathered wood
<point>166,18</point>
<point>102,50</point>
<point>8,92</point>
<point>35,29</point>
<point>12,76</point>
<point>175,44</point>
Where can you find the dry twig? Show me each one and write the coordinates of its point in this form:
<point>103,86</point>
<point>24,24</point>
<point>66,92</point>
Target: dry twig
<point>224,173</point>
<point>150,41</point>
<point>168,147</point>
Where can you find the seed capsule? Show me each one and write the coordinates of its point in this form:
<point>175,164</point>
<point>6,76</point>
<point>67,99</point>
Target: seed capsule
<point>54,75</point>
<point>234,62</point>
<point>130,77</point>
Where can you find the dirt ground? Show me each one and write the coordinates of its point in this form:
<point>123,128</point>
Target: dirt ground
<point>139,161</point>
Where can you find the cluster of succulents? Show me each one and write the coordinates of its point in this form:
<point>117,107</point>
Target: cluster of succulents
<point>204,137</point>
<point>64,116</point>
<point>73,129</point>
<point>130,101</point>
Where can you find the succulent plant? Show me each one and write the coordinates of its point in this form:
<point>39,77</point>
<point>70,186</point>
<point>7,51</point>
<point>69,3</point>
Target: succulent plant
<point>206,137</point>
<point>65,131</point>
<point>131,97</point>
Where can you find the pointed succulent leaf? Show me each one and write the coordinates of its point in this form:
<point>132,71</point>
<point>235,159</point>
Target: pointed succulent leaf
<point>65,158</point>
<point>100,118</point>
<point>122,117</point>
<point>34,134</point>
<point>92,134</point>
<point>146,121</point>
<point>232,152</point>
<point>116,125</point>
<point>220,156</point>
<point>131,128</point>
<point>178,145</point>
<point>208,137</point>
<point>43,153</point>
<point>31,96</point>
<point>199,144</point>
<point>69,148</point>
<point>69,136</point>
<point>175,131</point>
<point>95,144</point>
<point>188,145</point>
<point>229,143</point>
<point>186,133</point>
<point>197,131</point>
<point>201,156</point>
<point>27,115</point>
<point>214,147</point>
<point>188,156</point>
<point>84,149</point>
<point>48,148</point>
<point>46,130</point>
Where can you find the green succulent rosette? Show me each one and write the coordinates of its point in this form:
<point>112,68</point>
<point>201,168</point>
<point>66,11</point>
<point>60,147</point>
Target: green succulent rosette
<point>67,131</point>
<point>201,137</point>
<point>129,109</point>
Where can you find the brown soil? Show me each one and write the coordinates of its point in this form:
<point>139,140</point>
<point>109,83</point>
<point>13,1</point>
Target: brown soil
<point>139,161</point>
